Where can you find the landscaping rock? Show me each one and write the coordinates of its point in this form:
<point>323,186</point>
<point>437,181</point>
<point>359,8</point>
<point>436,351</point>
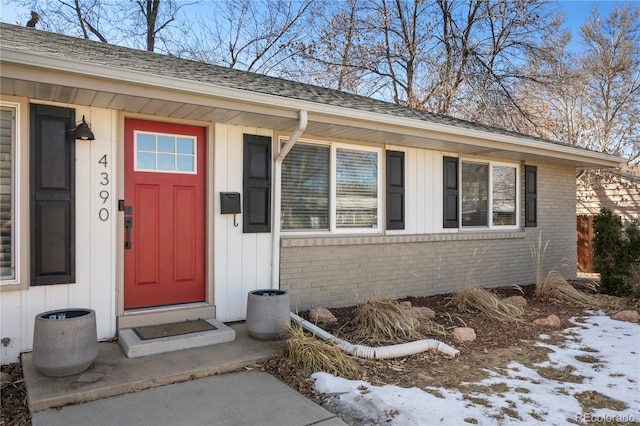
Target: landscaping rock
<point>322,316</point>
<point>551,321</point>
<point>515,300</point>
<point>464,334</point>
<point>629,316</point>
<point>422,312</point>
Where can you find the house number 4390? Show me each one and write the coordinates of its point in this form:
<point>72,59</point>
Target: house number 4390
<point>103,213</point>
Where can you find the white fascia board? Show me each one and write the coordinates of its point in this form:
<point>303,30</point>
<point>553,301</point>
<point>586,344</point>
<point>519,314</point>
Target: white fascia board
<point>331,112</point>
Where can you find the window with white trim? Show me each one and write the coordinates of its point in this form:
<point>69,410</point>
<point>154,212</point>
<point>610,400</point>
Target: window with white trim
<point>331,187</point>
<point>7,194</point>
<point>165,153</point>
<point>489,194</point>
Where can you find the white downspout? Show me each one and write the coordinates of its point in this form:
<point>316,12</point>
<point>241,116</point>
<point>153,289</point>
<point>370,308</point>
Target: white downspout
<point>277,197</point>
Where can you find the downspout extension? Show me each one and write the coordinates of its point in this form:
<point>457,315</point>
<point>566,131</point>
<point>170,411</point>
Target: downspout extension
<point>277,196</point>
<point>381,352</point>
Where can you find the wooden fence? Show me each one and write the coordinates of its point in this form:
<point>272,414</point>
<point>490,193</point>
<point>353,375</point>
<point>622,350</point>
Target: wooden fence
<point>585,236</point>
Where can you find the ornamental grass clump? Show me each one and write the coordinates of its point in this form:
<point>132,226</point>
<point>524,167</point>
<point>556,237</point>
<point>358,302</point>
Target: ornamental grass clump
<point>474,299</point>
<point>554,286</point>
<point>313,354</point>
<point>383,320</point>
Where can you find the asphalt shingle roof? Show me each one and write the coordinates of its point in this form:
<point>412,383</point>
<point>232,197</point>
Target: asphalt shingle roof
<point>112,56</point>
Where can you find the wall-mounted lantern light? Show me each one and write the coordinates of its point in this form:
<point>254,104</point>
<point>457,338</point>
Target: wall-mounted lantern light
<point>82,131</point>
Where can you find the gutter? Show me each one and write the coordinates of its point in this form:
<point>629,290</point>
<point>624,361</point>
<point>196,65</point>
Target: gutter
<point>277,196</point>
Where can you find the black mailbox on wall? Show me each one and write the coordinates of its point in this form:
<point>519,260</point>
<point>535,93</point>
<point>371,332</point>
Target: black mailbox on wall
<point>230,202</point>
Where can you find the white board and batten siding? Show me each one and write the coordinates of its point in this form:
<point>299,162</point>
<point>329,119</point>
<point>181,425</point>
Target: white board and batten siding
<point>96,214</point>
<point>242,261</point>
<point>423,174</point>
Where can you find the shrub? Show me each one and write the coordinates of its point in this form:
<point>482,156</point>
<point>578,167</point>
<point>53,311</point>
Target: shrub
<point>616,251</point>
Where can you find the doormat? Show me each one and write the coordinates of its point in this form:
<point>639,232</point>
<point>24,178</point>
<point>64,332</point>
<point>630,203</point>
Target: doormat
<point>173,329</point>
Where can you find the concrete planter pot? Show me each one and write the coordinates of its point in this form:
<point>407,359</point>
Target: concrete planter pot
<point>64,342</point>
<point>267,313</point>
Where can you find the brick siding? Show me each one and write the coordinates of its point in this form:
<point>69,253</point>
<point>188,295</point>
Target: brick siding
<point>343,271</point>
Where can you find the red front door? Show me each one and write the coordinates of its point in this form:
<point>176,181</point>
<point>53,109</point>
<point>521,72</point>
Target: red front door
<point>164,256</point>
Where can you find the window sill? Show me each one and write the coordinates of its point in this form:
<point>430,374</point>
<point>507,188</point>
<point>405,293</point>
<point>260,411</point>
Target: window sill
<point>13,286</point>
<point>339,240</point>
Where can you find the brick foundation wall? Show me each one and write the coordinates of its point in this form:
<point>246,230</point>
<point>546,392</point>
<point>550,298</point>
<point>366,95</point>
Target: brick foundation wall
<point>343,271</point>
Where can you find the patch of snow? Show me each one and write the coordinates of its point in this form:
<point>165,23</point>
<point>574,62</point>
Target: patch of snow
<point>602,354</point>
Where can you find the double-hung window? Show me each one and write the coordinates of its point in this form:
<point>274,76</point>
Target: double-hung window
<point>7,194</point>
<point>489,194</point>
<point>331,187</point>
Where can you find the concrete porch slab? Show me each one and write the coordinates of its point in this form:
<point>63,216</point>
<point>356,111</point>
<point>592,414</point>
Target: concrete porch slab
<point>134,347</point>
<point>114,374</point>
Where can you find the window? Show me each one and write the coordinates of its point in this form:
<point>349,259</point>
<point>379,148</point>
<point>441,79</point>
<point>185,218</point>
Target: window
<point>504,196</point>
<point>305,188</point>
<point>488,194</point>
<point>165,153</point>
<point>475,194</point>
<point>331,188</point>
<point>7,193</point>
<point>356,189</point>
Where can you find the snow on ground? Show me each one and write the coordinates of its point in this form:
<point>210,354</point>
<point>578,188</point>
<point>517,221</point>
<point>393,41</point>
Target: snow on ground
<point>604,352</point>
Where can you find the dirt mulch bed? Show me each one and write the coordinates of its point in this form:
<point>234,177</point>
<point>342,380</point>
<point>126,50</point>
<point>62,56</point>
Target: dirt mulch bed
<point>15,411</point>
<point>497,344</point>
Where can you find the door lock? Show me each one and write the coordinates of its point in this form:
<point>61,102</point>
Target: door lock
<point>128,224</point>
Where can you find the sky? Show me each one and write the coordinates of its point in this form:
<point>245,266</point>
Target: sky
<point>605,352</point>
<point>576,12</point>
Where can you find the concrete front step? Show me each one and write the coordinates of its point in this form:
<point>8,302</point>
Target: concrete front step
<point>113,373</point>
<point>134,347</point>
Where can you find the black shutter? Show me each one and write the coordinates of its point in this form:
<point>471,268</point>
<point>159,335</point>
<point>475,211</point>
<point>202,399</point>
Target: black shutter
<point>257,184</point>
<point>450,193</point>
<point>530,196</point>
<point>52,195</point>
<point>395,190</point>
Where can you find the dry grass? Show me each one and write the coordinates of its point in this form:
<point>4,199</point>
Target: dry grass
<point>633,280</point>
<point>428,327</point>
<point>472,298</point>
<point>537,254</point>
<point>554,286</point>
<point>313,354</point>
<point>385,320</point>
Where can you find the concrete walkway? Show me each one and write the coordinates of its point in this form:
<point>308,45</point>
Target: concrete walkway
<point>184,387</point>
<point>240,398</point>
